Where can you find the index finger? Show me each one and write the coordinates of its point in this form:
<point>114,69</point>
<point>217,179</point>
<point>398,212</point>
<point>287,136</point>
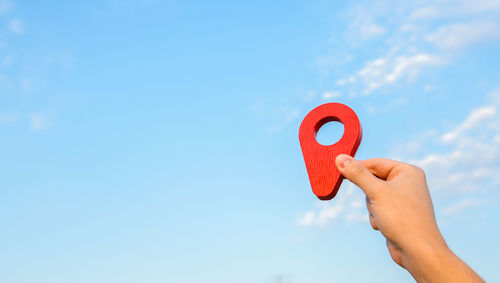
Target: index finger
<point>381,167</point>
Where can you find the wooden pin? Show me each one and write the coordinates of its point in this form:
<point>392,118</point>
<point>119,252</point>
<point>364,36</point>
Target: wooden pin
<point>324,176</point>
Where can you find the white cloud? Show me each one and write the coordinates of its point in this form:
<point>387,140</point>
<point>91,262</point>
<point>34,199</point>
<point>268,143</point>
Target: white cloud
<point>460,206</point>
<point>38,123</point>
<point>346,206</point>
<point>478,6</point>
<point>475,118</point>
<point>369,30</point>
<point>414,35</point>
<point>425,13</point>
<point>464,160</point>
<point>331,95</point>
<point>348,80</point>
<point>16,26</point>
<point>410,65</point>
<point>388,70</point>
<point>322,217</point>
<point>451,9</point>
<point>308,219</point>
<point>460,35</point>
<point>363,26</point>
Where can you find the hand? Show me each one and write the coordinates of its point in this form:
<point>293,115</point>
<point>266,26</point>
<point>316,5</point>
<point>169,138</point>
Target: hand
<point>400,206</point>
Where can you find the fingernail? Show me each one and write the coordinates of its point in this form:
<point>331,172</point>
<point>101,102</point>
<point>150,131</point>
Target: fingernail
<point>343,160</point>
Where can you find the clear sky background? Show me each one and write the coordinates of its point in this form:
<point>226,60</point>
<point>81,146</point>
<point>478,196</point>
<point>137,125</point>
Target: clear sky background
<point>157,141</point>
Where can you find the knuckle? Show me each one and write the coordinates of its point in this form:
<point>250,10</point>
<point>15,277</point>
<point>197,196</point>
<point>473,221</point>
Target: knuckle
<point>415,170</point>
<point>418,171</point>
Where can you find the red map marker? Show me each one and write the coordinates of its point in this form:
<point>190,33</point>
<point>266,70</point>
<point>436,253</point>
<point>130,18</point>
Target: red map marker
<point>324,177</point>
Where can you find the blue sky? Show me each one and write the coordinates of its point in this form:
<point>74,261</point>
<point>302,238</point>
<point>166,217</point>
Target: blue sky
<point>157,141</point>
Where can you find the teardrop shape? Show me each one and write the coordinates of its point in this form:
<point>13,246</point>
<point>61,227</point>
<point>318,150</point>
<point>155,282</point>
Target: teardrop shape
<point>323,174</point>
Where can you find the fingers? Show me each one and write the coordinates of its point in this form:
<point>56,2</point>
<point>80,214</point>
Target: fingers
<point>357,173</point>
<point>381,167</point>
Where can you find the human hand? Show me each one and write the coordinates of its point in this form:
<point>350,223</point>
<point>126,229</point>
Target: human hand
<point>400,206</point>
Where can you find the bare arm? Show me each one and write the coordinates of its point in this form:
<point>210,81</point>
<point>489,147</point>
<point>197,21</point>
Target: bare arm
<point>400,207</point>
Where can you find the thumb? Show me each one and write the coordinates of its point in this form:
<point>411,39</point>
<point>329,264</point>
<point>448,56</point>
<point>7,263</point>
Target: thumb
<point>357,173</point>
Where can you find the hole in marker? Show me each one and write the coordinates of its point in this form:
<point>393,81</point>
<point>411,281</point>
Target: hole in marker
<point>329,132</point>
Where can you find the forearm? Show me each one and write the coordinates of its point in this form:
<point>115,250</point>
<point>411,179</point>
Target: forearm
<point>438,264</point>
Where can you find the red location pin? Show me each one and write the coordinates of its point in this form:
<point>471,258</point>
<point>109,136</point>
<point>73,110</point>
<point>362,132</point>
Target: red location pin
<point>324,176</point>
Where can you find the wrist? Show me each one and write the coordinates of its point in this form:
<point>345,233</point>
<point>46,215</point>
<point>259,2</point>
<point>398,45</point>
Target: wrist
<point>429,260</point>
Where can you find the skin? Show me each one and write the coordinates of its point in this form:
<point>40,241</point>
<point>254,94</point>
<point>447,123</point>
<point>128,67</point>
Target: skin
<point>400,207</point>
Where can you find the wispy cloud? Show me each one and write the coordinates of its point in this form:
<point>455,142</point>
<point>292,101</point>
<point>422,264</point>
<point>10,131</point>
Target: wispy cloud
<point>388,70</point>
<point>460,206</point>
<point>461,35</point>
<point>331,95</point>
<point>323,216</point>
<point>450,9</point>
<point>8,119</point>
<point>39,123</point>
<point>286,115</point>
<point>365,28</point>
<point>463,161</point>
<point>5,6</point>
<point>411,36</point>
<point>475,118</point>
<point>16,26</point>
<point>347,206</point>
